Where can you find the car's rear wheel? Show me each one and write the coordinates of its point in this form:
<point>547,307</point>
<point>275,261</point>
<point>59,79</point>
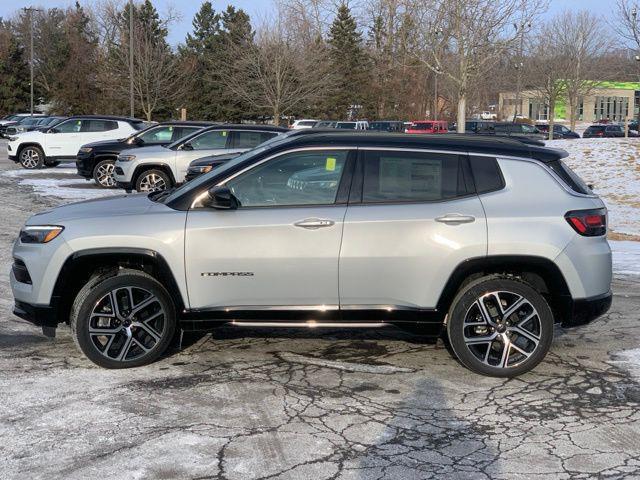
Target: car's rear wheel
<point>500,326</point>
<point>103,173</point>
<point>31,157</point>
<point>152,181</point>
<point>124,320</point>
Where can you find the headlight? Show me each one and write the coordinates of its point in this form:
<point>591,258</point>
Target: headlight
<point>40,233</point>
<point>126,158</point>
<point>86,149</point>
<point>201,169</point>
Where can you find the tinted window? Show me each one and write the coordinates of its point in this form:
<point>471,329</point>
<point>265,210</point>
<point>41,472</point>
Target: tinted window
<point>411,177</point>
<point>70,126</point>
<point>249,139</point>
<point>595,128</point>
<point>99,125</point>
<point>347,125</point>
<point>299,178</point>
<point>212,139</point>
<point>181,132</point>
<point>486,174</point>
<point>569,177</point>
<point>614,128</point>
<point>162,134</point>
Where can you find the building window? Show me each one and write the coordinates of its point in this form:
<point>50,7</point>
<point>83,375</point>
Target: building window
<point>538,110</point>
<point>612,108</point>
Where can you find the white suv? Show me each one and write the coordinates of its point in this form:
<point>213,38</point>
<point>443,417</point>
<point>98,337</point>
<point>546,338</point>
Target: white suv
<point>160,167</point>
<point>62,141</point>
<point>488,241</point>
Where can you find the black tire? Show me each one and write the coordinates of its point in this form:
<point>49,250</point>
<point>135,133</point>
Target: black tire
<point>153,180</point>
<point>31,157</point>
<point>103,173</point>
<point>522,337</point>
<point>126,333</point>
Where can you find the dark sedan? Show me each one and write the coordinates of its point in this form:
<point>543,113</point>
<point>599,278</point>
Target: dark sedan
<point>206,164</point>
<point>559,131</point>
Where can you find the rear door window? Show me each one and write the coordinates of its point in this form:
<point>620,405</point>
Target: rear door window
<point>412,177</point>
<point>70,126</point>
<point>249,139</point>
<point>99,125</point>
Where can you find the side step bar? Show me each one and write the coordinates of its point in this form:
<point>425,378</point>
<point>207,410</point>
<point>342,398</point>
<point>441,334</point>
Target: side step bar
<point>310,324</point>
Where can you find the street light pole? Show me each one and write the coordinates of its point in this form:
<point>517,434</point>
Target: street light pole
<point>131,57</point>
<point>30,11</point>
<point>435,99</point>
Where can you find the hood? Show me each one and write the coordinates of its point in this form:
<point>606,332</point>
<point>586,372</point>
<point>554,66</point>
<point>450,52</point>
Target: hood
<point>102,207</point>
<point>151,150</point>
<point>25,136</point>
<point>110,143</point>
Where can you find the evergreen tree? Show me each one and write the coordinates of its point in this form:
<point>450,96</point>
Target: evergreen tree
<point>349,62</point>
<point>14,73</point>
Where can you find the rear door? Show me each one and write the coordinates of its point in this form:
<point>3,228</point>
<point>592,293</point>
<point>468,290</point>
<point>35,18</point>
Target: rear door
<point>95,130</point>
<point>413,217</point>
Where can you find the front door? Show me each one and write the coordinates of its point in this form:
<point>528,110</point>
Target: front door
<point>414,220</point>
<point>280,248</point>
<point>64,139</point>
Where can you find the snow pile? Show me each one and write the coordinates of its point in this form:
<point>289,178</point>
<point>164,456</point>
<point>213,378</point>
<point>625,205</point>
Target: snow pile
<point>612,166</point>
<point>626,257</point>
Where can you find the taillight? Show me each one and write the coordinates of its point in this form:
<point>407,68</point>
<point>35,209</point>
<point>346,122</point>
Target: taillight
<point>588,223</point>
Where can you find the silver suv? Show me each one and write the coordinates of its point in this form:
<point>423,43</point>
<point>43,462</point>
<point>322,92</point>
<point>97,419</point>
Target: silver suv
<point>488,241</point>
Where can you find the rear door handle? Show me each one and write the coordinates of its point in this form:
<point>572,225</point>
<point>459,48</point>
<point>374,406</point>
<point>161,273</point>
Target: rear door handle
<point>455,219</point>
<point>314,223</point>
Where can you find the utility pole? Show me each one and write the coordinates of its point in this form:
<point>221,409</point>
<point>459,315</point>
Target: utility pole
<point>435,98</point>
<point>30,11</point>
<point>131,56</point>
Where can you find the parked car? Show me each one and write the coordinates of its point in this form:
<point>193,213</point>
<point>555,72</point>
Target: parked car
<point>606,130</point>
<point>303,123</point>
<point>16,117</point>
<point>160,167</point>
<point>97,160</point>
<point>517,129</point>
<point>479,126</point>
<point>271,234</point>
<point>325,124</point>
<point>428,126</point>
<point>61,142</point>
<point>387,126</point>
<point>29,124</point>
<point>206,164</point>
<point>559,131</point>
<point>357,125</point>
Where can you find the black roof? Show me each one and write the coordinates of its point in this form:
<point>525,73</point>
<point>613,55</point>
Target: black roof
<point>467,143</point>
<point>240,126</point>
<point>108,117</point>
<point>188,123</point>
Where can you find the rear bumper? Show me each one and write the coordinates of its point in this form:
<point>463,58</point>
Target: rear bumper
<point>586,310</point>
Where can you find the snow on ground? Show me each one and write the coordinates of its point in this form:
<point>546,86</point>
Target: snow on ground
<point>626,257</point>
<point>612,165</point>
<point>61,182</point>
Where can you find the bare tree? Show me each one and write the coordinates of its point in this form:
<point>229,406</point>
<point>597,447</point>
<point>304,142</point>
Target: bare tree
<point>463,39</point>
<point>548,69</point>
<point>583,41</point>
<point>278,76</point>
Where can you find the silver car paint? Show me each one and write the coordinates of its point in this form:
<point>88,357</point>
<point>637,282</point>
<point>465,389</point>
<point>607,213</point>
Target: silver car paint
<point>393,254</point>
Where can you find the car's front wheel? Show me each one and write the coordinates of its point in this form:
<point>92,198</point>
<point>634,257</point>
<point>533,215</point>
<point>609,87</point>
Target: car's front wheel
<point>103,173</point>
<point>31,157</point>
<point>500,326</point>
<point>152,181</point>
<point>123,320</point>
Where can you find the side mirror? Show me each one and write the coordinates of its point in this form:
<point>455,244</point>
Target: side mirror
<point>221,198</point>
<point>186,146</point>
<point>53,130</point>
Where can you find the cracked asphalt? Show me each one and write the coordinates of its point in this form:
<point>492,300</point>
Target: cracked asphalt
<point>313,404</point>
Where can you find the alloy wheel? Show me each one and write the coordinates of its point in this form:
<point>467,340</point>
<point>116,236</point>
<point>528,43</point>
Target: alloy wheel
<point>502,329</point>
<point>126,324</point>
<point>104,175</point>
<point>30,158</point>
<point>152,182</point>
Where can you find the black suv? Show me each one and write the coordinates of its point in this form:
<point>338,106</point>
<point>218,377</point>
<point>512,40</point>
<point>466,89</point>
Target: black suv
<point>96,160</point>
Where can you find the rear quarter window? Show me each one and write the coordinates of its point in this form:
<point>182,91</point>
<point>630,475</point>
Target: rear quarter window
<point>569,177</point>
<point>486,174</point>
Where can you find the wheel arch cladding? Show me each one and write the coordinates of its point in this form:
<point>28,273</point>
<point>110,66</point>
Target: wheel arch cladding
<point>541,273</point>
<point>81,266</point>
<point>140,169</point>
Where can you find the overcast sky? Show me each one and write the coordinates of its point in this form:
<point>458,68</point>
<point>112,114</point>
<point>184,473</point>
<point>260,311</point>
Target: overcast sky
<point>261,8</point>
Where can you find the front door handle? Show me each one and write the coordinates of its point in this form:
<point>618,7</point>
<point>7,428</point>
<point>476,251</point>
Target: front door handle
<point>455,219</point>
<point>314,223</point>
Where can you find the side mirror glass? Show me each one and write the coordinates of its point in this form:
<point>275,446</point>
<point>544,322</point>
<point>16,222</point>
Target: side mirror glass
<point>221,198</point>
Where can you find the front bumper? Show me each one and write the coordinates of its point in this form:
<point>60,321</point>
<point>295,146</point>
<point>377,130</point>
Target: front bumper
<point>85,165</point>
<point>586,310</point>
<point>40,315</point>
